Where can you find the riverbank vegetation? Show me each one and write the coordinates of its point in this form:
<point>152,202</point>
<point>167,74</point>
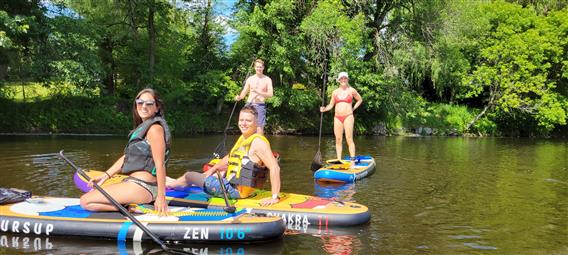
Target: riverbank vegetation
<point>440,67</point>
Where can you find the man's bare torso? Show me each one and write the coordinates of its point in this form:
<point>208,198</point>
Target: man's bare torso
<point>257,83</point>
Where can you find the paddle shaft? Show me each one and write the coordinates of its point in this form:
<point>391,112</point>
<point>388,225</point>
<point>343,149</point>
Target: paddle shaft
<point>322,99</point>
<point>228,208</point>
<point>317,162</point>
<point>121,208</point>
<point>217,152</point>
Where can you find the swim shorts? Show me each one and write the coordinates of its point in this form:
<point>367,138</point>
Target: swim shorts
<point>261,110</point>
<point>212,187</point>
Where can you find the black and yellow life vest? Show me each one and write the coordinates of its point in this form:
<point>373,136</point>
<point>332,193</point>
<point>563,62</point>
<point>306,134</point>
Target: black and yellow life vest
<point>138,153</point>
<point>242,172</point>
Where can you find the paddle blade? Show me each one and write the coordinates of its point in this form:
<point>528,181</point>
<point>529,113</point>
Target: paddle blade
<point>317,162</point>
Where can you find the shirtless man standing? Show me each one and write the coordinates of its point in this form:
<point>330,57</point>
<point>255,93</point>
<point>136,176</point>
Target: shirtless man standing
<point>259,88</point>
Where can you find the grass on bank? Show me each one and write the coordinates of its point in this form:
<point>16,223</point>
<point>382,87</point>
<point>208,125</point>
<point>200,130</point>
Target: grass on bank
<point>35,91</point>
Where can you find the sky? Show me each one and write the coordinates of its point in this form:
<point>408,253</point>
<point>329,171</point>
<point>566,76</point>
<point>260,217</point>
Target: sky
<point>222,8</point>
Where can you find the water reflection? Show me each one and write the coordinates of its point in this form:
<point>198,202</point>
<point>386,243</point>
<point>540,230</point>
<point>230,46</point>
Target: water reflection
<point>337,241</point>
<point>428,195</point>
<point>337,191</point>
<point>340,244</point>
<point>14,243</point>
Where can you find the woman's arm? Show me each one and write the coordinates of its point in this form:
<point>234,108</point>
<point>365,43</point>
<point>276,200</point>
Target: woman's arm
<point>114,169</point>
<point>157,142</point>
<point>358,98</point>
<point>330,105</point>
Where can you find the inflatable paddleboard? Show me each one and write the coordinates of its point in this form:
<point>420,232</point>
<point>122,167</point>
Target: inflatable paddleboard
<point>59,216</point>
<point>298,211</point>
<point>344,171</point>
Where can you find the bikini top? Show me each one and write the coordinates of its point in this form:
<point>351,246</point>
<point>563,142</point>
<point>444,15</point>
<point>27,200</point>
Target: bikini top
<point>348,99</point>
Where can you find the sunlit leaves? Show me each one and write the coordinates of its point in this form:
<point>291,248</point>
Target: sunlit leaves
<point>515,65</point>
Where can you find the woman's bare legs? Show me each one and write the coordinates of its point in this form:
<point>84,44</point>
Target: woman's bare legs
<point>338,131</point>
<point>348,124</point>
<point>124,193</point>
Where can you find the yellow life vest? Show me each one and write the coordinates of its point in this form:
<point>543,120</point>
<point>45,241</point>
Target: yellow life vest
<point>242,172</point>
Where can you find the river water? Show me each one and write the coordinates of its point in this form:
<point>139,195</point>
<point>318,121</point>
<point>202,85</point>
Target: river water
<point>429,195</point>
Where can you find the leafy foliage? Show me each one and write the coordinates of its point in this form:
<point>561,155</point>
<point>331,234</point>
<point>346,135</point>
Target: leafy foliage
<point>487,67</point>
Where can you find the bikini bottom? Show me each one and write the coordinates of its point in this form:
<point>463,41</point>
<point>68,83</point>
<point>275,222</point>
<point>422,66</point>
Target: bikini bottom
<point>342,118</point>
<point>151,187</point>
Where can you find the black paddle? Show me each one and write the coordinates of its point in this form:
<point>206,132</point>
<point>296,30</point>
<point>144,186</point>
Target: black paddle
<point>228,208</point>
<point>123,210</point>
<point>220,149</point>
<point>317,162</point>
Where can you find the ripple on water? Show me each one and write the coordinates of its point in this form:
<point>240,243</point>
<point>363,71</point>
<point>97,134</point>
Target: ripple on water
<point>479,246</point>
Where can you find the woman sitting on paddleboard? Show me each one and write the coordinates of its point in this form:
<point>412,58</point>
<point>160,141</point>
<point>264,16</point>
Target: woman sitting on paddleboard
<point>342,99</point>
<point>144,160</point>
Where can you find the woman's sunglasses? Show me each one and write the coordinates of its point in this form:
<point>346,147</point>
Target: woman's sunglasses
<point>141,102</point>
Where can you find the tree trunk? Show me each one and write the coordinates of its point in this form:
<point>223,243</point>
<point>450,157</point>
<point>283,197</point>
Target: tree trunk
<point>205,37</point>
<point>133,23</point>
<point>107,60</point>
<point>152,39</point>
<point>477,117</point>
<point>489,105</point>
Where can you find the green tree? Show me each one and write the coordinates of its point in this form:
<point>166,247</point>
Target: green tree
<point>513,72</point>
<point>23,30</point>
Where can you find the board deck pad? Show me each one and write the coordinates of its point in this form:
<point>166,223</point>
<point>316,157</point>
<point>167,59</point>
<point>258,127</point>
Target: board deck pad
<point>310,211</point>
<point>343,171</point>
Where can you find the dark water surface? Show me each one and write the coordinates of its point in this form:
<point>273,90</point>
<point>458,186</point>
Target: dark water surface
<point>428,195</point>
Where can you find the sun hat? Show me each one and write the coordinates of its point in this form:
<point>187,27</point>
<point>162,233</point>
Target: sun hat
<point>341,75</point>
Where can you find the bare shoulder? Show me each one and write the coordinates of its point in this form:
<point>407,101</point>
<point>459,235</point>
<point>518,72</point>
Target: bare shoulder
<point>259,144</point>
<point>155,130</point>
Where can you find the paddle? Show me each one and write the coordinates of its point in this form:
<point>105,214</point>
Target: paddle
<point>228,208</point>
<point>221,149</point>
<point>123,210</point>
<point>317,162</point>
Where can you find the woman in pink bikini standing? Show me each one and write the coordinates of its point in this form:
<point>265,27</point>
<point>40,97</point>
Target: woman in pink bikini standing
<point>342,99</point>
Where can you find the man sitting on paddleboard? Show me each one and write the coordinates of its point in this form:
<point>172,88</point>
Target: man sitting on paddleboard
<point>245,167</point>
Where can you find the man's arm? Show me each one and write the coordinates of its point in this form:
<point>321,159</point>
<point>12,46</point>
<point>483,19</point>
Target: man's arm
<point>264,153</point>
<point>244,91</point>
<point>220,166</point>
